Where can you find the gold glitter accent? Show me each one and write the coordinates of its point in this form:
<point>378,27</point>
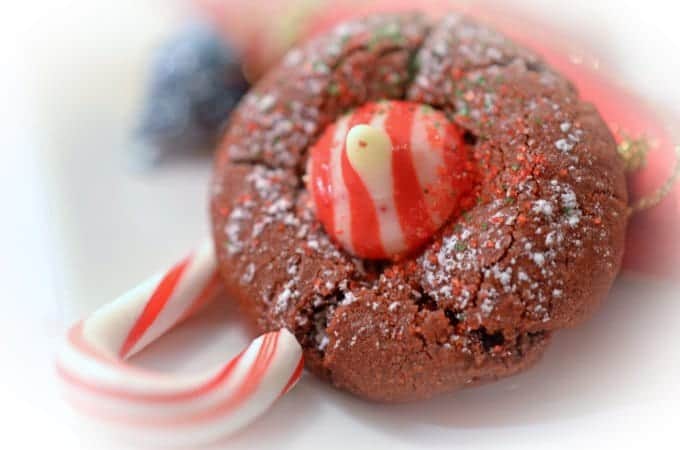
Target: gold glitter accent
<point>654,199</point>
<point>634,152</point>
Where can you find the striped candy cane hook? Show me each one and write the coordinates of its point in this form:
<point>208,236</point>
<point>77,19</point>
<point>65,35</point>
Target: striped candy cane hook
<point>168,409</point>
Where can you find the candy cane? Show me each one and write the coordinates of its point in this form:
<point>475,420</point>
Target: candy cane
<point>170,409</point>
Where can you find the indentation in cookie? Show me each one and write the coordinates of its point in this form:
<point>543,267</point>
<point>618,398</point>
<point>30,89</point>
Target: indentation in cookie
<point>385,177</point>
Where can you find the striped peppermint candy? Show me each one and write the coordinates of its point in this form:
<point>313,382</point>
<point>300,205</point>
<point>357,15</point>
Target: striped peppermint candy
<point>385,177</point>
<point>170,409</point>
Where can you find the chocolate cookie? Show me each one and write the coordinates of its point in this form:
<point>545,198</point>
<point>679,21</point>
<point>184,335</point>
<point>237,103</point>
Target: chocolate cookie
<point>535,251</point>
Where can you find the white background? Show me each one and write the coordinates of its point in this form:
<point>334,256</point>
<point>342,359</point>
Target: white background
<point>78,228</point>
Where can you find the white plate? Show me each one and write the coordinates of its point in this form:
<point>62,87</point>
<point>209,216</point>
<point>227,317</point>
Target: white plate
<point>86,228</point>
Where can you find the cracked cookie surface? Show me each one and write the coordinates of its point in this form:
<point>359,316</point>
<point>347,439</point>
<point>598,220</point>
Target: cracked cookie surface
<point>537,252</point>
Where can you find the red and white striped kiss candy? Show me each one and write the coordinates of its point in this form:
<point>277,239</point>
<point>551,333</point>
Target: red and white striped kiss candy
<point>385,177</point>
<point>171,409</point>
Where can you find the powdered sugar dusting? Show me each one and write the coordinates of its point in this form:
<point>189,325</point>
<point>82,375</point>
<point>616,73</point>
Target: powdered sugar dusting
<point>507,256</point>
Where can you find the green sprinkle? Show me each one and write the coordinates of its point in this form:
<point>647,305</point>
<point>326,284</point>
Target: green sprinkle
<point>320,67</point>
<point>481,81</point>
<point>334,89</point>
<point>485,226</point>
<point>398,40</point>
<point>464,111</point>
<point>515,167</point>
<point>390,32</point>
<point>413,67</point>
<point>509,200</point>
<point>566,211</point>
<point>460,246</point>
